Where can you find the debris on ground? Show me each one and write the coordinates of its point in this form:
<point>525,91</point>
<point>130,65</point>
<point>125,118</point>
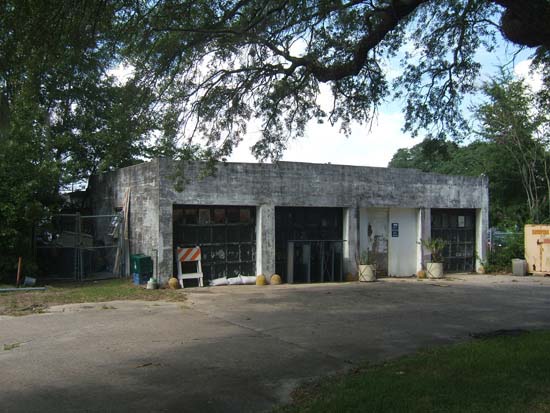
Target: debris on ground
<point>14,289</point>
<point>499,333</point>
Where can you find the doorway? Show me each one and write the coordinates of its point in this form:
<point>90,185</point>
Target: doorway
<point>457,228</point>
<point>308,241</point>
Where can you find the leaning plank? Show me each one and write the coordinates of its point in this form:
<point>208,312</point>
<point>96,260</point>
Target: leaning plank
<point>126,240</point>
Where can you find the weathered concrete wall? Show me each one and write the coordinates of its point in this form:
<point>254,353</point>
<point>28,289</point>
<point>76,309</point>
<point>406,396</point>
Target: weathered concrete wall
<point>108,191</point>
<point>303,184</point>
<point>285,184</point>
<point>265,240</point>
<point>315,185</point>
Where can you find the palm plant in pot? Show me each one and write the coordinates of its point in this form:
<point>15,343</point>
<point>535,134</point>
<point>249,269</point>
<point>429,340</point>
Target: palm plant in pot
<point>366,267</point>
<point>434,268</point>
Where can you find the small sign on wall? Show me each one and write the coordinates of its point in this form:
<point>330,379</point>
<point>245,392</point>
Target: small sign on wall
<point>395,229</point>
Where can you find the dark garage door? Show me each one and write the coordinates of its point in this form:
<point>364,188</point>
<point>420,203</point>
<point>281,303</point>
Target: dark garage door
<point>317,233</point>
<point>226,235</point>
<point>457,228</point>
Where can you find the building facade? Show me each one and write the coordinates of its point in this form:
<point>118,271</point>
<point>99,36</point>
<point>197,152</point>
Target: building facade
<point>307,222</point>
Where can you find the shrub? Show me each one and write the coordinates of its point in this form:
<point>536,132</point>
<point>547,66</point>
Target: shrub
<point>499,257</point>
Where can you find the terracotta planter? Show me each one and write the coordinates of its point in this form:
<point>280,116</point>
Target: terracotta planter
<point>366,273</point>
<point>434,269</point>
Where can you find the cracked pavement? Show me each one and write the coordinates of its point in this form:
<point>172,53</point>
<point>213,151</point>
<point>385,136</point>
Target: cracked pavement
<point>243,348</point>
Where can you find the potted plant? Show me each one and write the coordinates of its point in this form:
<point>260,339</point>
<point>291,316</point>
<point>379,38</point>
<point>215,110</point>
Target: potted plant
<point>366,267</point>
<point>434,268</point>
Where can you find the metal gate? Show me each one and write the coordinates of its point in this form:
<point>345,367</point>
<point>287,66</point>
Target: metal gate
<point>315,236</point>
<point>226,235</point>
<point>315,261</point>
<point>457,228</point>
<point>80,247</point>
<point>378,243</point>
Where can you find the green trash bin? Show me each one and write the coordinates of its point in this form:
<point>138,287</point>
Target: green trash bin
<point>141,264</point>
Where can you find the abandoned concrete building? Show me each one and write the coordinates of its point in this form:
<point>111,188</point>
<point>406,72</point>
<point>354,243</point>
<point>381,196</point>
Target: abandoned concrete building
<point>306,222</point>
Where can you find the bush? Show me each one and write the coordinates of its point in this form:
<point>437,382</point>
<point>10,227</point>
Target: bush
<point>510,246</point>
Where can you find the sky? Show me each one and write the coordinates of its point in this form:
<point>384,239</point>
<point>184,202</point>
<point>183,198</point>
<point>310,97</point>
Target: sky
<point>374,147</point>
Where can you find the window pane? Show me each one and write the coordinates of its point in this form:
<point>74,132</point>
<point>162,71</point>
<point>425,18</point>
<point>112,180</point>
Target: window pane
<point>190,216</point>
<point>219,216</point>
<point>233,215</point>
<point>204,216</point>
<point>244,216</point>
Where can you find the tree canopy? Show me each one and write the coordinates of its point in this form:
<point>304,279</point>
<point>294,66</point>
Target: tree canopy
<point>204,69</point>
<point>507,206</point>
<point>62,117</point>
<point>511,147</point>
<point>217,64</point>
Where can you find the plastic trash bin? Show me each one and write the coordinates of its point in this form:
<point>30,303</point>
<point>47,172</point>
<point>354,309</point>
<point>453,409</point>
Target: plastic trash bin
<point>519,267</point>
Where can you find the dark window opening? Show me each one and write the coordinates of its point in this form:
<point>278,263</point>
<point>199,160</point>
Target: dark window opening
<point>226,235</point>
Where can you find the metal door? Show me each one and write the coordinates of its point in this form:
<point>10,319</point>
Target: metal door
<point>457,228</point>
<point>317,236</point>
<point>403,242</point>
<point>226,235</point>
<point>377,232</point>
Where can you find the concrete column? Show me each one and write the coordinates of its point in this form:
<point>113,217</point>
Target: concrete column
<point>351,236</point>
<point>265,240</point>
<point>165,242</point>
<point>363,225</point>
<point>424,232</point>
<point>482,226</point>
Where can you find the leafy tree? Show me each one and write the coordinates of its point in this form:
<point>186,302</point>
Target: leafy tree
<point>511,148</point>
<point>215,65</point>
<point>512,120</point>
<point>507,206</point>
<point>430,155</point>
<point>62,117</point>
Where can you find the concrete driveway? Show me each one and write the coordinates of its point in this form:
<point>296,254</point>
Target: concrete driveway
<point>242,348</point>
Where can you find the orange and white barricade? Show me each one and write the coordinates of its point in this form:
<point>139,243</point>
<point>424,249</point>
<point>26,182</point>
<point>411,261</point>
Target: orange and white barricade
<point>191,254</point>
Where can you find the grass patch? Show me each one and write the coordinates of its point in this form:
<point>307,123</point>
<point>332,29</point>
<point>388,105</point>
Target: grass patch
<point>505,374</point>
<point>32,302</point>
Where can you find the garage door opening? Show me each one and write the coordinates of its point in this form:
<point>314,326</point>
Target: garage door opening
<point>457,228</point>
<point>309,244</point>
<point>226,235</point>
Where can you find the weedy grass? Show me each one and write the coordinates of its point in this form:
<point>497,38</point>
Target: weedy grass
<point>504,374</point>
<point>32,302</point>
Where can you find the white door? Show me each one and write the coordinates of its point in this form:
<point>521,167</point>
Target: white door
<point>403,238</point>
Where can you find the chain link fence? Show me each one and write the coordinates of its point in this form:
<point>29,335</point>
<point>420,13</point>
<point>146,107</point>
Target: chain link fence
<point>503,247</point>
<point>80,247</point>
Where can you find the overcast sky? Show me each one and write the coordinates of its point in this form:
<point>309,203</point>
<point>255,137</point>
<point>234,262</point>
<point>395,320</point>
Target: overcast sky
<point>323,143</point>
